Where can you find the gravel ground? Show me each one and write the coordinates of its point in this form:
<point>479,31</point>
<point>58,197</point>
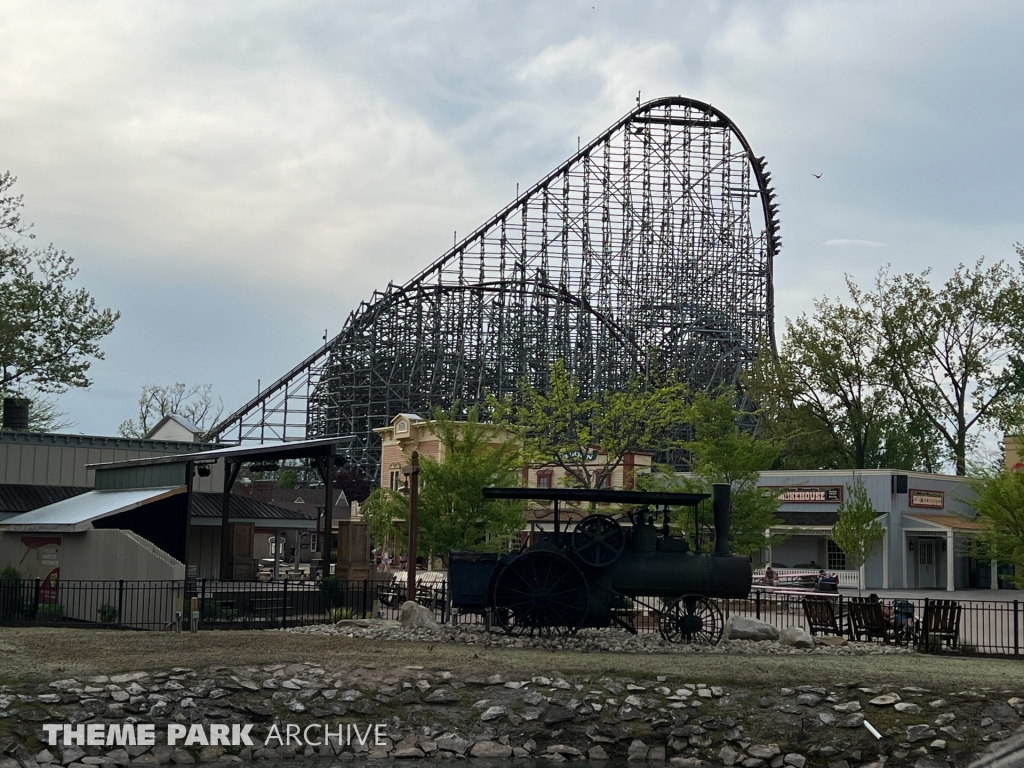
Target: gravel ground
<point>48,653</point>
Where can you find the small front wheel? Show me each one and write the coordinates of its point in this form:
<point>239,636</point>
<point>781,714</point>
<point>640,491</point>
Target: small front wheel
<point>691,619</point>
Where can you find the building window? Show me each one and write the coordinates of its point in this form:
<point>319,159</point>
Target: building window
<point>395,479</point>
<point>313,543</point>
<point>544,479</point>
<point>836,557</point>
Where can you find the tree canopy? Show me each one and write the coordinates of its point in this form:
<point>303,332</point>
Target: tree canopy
<point>999,503</point>
<point>857,531</point>
<point>561,427</point>
<point>49,330</point>
<point>724,450</point>
<point>453,513</point>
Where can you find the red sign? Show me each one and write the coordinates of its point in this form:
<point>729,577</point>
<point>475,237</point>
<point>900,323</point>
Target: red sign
<point>927,499</point>
<point>40,559</point>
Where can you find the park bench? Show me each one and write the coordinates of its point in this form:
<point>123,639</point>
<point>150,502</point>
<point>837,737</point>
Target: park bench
<point>941,623</point>
<point>821,616</point>
<point>867,620</point>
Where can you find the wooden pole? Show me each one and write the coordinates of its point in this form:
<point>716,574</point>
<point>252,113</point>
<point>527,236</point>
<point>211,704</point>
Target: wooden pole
<point>414,498</point>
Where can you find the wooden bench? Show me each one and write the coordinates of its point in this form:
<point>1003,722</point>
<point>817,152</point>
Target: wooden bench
<point>821,616</point>
<point>941,623</point>
<point>867,620</point>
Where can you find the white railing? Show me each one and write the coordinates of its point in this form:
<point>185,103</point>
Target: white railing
<point>846,578</point>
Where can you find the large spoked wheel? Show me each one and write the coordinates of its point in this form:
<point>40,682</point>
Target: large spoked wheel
<point>598,541</point>
<point>540,593</point>
<point>691,619</point>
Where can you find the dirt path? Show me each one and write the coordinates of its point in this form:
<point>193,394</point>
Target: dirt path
<point>43,653</point>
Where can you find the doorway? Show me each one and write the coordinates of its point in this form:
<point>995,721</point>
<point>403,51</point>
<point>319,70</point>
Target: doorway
<point>926,570</point>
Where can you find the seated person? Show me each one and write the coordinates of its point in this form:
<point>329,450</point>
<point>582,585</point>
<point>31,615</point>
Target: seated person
<point>770,577</point>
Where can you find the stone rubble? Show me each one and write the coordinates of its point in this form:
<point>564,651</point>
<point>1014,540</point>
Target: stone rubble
<point>446,715</point>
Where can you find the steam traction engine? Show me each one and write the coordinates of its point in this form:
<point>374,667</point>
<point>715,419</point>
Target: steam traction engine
<point>603,571</point>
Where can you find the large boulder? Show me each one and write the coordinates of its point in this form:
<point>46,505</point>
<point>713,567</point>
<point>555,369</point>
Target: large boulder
<point>412,615</point>
<point>745,628</point>
<point>798,637</point>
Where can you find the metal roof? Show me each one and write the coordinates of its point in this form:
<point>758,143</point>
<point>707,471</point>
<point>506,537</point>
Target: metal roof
<point>25,498</point>
<point>297,449</point>
<point>77,514</point>
<point>211,505</point>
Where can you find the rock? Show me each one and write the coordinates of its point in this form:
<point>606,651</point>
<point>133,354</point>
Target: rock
<point>808,699</point>
<point>490,749</point>
<point>885,700</point>
<point>917,733</point>
<point>945,719</point>
<point>451,742</point>
<point>493,713</point>
<point>728,756</point>
<point>412,615</point>
<point>763,751</point>
<point>798,637</point>
<point>745,628</point>
<point>442,696</point>
<point>930,762</point>
<point>557,714</point>
<point>121,756</point>
<point>563,749</point>
<point>182,757</point>
<point>686,762</point>
<point>850,706</point>
<point>796,760</point>
<point>408,752</point>
<point>597,752</point>
<point>656,755</point>
<point>637,750</point>
<point>832,641</point>
<point>45,756</point>
<point>71,754</point>
<point>827,718</point>
<point>938,745</point>
<point>210,754</point>
<point>856,720</point>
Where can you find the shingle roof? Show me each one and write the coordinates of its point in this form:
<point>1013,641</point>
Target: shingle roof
<point>24,498</point>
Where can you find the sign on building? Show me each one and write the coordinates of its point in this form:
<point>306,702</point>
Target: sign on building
<point>927,499</point>
<point>806,494</point>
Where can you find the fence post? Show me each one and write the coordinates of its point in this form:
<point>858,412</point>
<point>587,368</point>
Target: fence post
<point>1017,630</point>
<point>366,594</point>
<point>35,602</point>
<point>924,618</point>
<point>284,605</point>
<point>757,604</point>
<point>840,621</point>
<point>120,601</point>
<point>202,601</point>
<point>444,601</point>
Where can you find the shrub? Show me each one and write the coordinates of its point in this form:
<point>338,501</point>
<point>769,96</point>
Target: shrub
<point>107,614</point>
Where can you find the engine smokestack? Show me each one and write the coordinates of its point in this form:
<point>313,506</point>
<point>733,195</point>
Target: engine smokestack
<point>721,504</point>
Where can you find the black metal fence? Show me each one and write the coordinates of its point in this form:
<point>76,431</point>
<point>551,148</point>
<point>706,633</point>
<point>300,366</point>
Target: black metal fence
<point>218,604</point>
<point>988,628</point>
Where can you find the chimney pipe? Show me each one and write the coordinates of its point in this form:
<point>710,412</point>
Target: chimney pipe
<point>721,504</point>
<point>15,414</point>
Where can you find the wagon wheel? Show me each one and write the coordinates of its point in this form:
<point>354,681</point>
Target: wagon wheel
<point>540,593</point>
<point>691,619</point>
<point>598,541</point>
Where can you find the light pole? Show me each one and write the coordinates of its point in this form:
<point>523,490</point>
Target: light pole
<point>412,472</point>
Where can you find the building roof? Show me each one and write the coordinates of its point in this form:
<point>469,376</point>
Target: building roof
<point>24,498</point>
<point>296,449</point>
<point>946,521</point>
<point>181,421</point>
<point>97,441</point>
<point>210,505</point>
<point>78,512</point>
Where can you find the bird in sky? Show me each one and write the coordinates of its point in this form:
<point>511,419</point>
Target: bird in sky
<point>817,175</point>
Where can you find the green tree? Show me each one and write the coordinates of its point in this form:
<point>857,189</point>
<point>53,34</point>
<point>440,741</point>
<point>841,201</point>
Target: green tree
<point>955,354</point>
<point>195,403</point>
<point>453,513</point>
<point>560,427</point>
<point>49,330</point>
<point>999,502</point>
<point>724,451</point>
<point>857,531</point>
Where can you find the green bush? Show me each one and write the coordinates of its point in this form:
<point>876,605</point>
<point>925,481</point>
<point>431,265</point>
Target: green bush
<point>50,612</point>
<point>12,599</point>
<point>107,614</point>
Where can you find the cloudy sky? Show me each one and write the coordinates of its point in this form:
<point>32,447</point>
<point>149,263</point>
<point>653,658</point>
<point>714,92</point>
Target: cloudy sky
<point>235,177</point>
